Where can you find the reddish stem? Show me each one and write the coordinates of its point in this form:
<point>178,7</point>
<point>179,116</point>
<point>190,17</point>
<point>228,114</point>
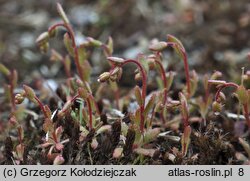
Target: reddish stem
<point>144,89</point>
<point>72,35</point>
<point>164,79</point>
<point>230,84</point>
<point>96,106</point>
<point>186,67</point>
<point>245,106</point>
<point>41,106</point>
<point>165,84</point>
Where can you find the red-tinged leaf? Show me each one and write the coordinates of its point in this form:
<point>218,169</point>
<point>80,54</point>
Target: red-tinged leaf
<point>83,93</point>
<point>117,153</point>
<point>59,160</point>
<point>184,107</point>
<point>145,152</point>
<point>185,140</point>
<point>58,133</point>
<point>94,144</point>
<point>48,111</point>
<point>217,82</point>
<point>48,125</point>
<point>20,151</point>
<point>245,145</point>
<point>59,146</point>
<point>173,39</point>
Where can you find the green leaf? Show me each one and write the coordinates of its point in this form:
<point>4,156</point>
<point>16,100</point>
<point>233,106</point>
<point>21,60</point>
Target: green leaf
<point>68,44</point>
<point>242,94</point>
<point>138,95</point>
<point>29,92</point>
<point>149,105</point>
<point>4,70</point>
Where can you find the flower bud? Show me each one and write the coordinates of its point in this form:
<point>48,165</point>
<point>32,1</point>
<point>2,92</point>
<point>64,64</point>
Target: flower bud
<point>151,63</point>
<point>216,107</point>
<point>62,13</point>
<point>221,98</point>
<point>116,60</point>
<point>19,98</point>
<point>104,77</point>
<point>138,77</point>
<point>42,38</point>
<point>159,46</point>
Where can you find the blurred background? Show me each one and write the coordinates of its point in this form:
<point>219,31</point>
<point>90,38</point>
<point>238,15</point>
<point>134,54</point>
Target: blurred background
<point>214,33</point>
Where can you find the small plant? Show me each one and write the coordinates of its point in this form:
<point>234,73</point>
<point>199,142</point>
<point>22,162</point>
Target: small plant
<point>180,50</point>
<point>241,93</point>
<point>152,124</point>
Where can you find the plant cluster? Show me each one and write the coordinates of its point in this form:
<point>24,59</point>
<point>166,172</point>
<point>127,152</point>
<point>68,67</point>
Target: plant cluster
<point>87,129</point>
